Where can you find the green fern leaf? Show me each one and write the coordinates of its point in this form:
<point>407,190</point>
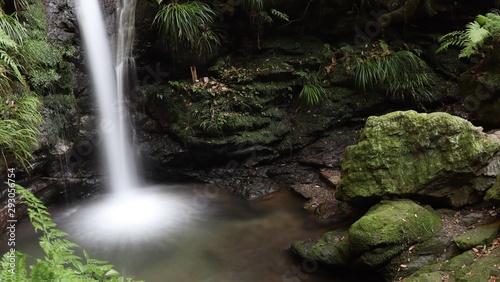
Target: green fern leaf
<point>265,17</point>
<point>476,33</point>
<point>280,15</point>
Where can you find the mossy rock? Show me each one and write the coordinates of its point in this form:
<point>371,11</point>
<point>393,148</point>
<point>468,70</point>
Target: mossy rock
<point>429,277</point>
<point>416,155</point>
<point>439,248</point>
<point>482,235</point>
<point>466,267</point>
<point>385,230</point>
<point>493,194</point>
<point>482,269</point>
<point>332,248</point>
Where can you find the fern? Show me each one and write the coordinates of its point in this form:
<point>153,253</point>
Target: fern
<point>280,15</point>
<point>476,33</point>
<point>405,76</point>
<point>12,27</point>
<point>19,122</point>
<point>186,24</point>
<point>264,16</point>
<point>60,263</point>
<point>312,91</point>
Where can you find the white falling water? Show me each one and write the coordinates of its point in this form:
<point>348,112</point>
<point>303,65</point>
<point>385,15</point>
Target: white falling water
<point>109,85</point>
<point>130,214</point>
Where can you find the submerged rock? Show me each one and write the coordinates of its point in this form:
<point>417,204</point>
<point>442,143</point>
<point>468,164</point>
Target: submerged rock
<point>434,157</point>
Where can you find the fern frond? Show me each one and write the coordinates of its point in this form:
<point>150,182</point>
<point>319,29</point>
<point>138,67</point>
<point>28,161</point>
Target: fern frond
<point>455,38</point>
<point>280,15</point>
<point>12,27</point>
<point>404,75</point>
<point>265,17</point>
<point>60,262</point>
<point>13,269</point>
<point>12,66</point>
<point>474,36</point>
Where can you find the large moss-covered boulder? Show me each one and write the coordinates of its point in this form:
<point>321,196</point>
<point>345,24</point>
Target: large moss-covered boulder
<point>376,238</point>
<point>435,157</point>
<point>387,228</point>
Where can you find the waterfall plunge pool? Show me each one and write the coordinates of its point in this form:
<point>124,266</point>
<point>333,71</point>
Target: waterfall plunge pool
<point>191,233</point>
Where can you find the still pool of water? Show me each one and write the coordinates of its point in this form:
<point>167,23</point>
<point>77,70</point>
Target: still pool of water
<point>207,235</point>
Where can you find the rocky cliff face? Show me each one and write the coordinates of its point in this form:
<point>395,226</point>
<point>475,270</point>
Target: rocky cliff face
<point>265,125</point>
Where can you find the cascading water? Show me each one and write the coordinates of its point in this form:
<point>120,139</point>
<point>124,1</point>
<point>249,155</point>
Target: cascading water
<point>130,213</point>
<point>109,88</point>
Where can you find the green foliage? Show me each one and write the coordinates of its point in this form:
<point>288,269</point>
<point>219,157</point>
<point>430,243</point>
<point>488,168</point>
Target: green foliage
<point>214,109</point>
<point>44,62</point>
<point>19,121</point>
<point>404,75</point>
<point>327,52</point>
<point>12,27</point>
<point>475,35</point>
<point>280,15</point>
<point>187,24</point>
<point>18,4</point>
<point>312,90</point>
<point>60,262</point>
<point>59,116</point>
<point>11,34</point>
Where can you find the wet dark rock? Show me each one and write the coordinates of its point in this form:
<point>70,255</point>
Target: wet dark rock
<point>322,201</point>
<point>61,20</point>
<point>482,97</point>
<point>328,151</point>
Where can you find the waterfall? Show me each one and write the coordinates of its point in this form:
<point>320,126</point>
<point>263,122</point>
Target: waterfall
<point>110,85</point>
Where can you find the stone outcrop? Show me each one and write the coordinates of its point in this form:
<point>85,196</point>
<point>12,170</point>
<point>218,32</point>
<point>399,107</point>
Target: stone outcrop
<point>434,157</point>
<point>471,266</point>
<point>376,238</point>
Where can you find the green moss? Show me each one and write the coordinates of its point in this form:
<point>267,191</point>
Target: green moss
<point>482,269</point>
<point>330,249</point>
<point>482,235</point>
<point>45,62</point>
<point>386,228</point>
<point>493,194</point>
<point>403,152</point>
<point>466,258</point>
<point>465,267</point>
<point>380,256</point>
<point>430,277</point>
